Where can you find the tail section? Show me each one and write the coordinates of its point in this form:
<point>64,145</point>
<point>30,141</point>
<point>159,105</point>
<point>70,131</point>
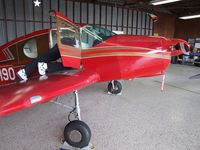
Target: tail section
<point>180,47</point>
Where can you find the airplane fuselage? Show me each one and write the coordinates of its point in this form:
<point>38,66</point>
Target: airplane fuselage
<point>96,55</point>
<point>119,57</point>
<point>127,56</point>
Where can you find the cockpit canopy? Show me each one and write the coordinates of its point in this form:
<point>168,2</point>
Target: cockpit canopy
<point>89,36</point>
<point>93,35</point>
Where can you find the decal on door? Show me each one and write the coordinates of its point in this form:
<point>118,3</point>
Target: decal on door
<point>6,55</point>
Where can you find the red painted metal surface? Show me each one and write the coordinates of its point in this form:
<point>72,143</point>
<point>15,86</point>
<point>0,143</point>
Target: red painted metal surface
<point>62,16</point>
<point>18,96</point>
<point>119,57</point>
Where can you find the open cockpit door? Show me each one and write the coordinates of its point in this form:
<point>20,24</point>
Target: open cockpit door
<point>68,40</point>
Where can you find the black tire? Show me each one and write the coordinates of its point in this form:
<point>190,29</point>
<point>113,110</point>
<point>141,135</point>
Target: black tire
<point>117,89</point>
<point>80,127</point>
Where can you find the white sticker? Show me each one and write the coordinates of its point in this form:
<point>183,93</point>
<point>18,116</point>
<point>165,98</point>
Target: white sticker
<point>35,99</point>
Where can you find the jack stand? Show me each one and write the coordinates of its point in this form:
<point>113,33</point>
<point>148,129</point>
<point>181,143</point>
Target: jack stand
<point>163,83</point>
<point>77,134</point>
<point>76,129</point>
<point>114,94</point>
<point>68,147</point>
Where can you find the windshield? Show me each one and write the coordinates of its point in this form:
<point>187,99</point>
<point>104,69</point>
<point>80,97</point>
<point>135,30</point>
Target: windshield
<point>93,35</point>
<point>103,32</point>
<point>89,36</point>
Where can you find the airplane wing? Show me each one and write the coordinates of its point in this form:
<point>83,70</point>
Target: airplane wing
<point>23,95</point>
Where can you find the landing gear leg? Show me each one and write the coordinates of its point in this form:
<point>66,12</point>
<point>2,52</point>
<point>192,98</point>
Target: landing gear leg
<point>114,87</point>
<point>77,133</point>
<point>76,110</point>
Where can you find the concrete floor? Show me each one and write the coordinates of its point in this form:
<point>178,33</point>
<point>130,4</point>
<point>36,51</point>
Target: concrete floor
<point>142,118</point>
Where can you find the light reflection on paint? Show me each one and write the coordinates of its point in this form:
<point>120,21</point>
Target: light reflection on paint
<point>157,51</point>
<point>18,95</point>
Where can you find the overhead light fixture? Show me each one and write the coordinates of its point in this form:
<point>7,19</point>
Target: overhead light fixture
<point>161,2</point>
<point>190,17</point>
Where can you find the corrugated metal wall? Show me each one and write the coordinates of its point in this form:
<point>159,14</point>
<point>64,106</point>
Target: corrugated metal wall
<point>20,17</point>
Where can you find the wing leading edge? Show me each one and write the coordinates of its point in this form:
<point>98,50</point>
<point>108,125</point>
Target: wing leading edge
<point>23,95</point>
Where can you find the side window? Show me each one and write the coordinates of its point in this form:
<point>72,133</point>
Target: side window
<point>53,37</point>
<point>68,37</point>
<point>87,40</point>
<point>104,33</point>
<point>30,49</point>
<point>67,34</point>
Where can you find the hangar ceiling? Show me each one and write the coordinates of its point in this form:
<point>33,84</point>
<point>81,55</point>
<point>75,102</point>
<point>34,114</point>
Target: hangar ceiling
<point>180,8</point>
<point>22,18</point>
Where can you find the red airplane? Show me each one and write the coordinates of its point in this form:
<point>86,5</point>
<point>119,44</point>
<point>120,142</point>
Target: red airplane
<point>99,55</point>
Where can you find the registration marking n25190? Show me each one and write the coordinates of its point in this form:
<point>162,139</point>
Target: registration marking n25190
<point>7,73</point>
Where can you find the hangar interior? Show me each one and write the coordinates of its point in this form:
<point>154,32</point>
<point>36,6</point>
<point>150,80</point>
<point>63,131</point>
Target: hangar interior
<point>28,18</point>
<point>143,117</point>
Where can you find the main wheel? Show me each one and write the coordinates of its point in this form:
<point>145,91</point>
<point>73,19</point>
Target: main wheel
<point>77,134</point>
<point>117,87</point>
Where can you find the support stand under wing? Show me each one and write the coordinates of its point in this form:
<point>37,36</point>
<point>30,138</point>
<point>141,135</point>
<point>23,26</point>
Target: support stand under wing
<point>68,147</point>
<point>77,133</point>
